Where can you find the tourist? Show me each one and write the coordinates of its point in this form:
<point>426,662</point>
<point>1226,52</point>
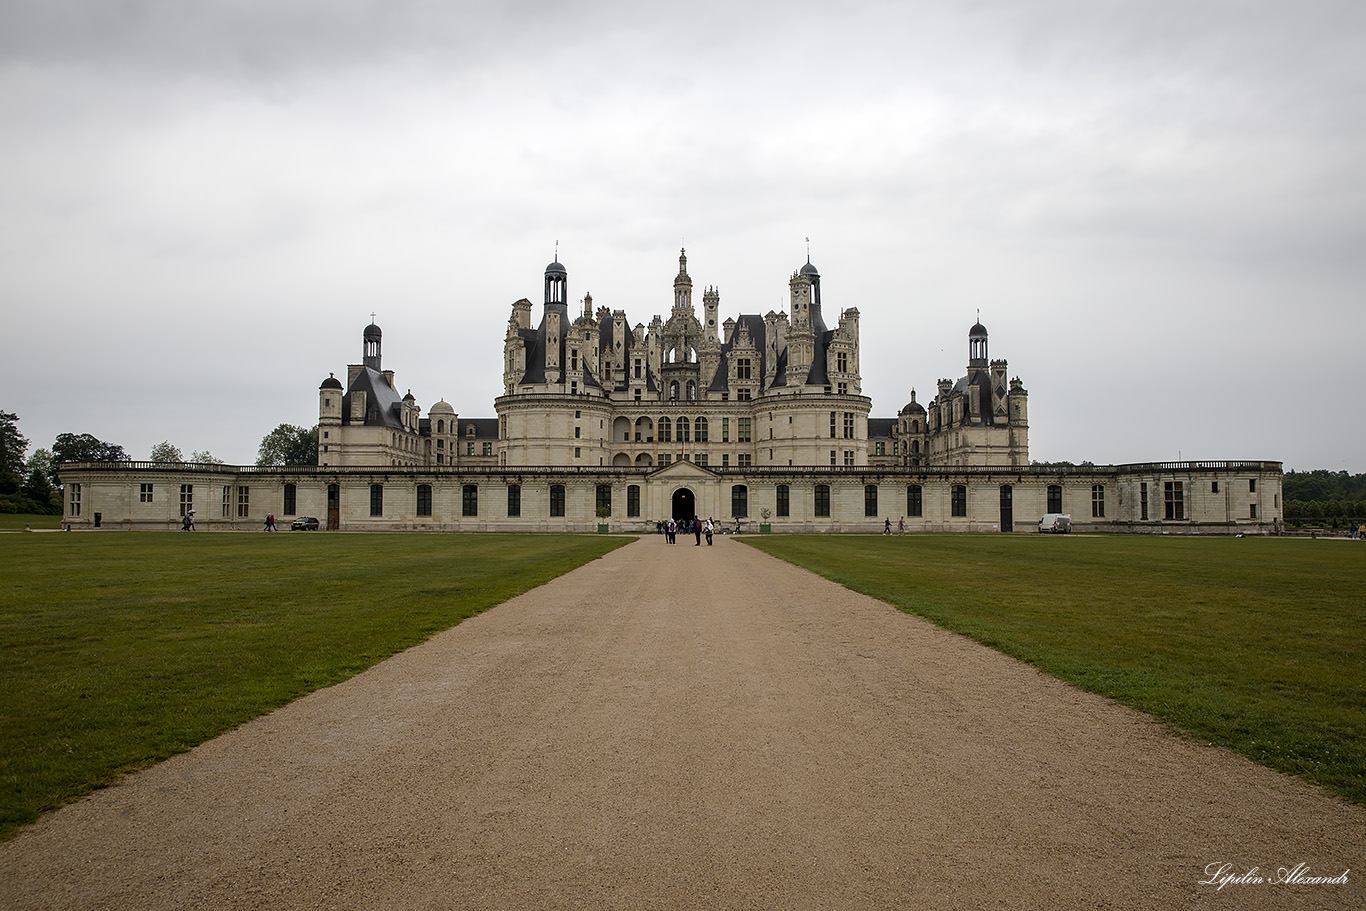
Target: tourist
<point>270,522</point>
<point>697,531</point>
<point>887,526</point>
<point>901,525</point>
<point>710,529</point>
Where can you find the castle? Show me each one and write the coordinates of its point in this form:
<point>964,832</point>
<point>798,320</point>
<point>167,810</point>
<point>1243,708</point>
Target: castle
<point>755,420</point>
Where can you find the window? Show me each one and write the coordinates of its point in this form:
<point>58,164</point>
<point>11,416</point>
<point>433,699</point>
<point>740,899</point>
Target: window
<point>578,452</point>
<point>701,429</point>
<point>440,427</point>
<point>842,388</point>
<point>1098,501</point>
<point>666,430</point>
<point>700,458</point>
<point>742,395</point>
<point>742,368</point>
<point>1143,501</point>
<point>291,495</point>
<point>784,507</point>
<point>604,498</point>
<point>556,500</point>
<point>834,457</point>
<point>633,500</point>
<point>673,391</point>
<point>959,500</point>
<point>1253,513</point>
<point>744,460</point>
<point>469,500</point>
<point>684,430</point>
<point>227,502</point>
<point>1214,487</point>
<point>739,501</point>
<point>842,362</point>
<point>725,430</point>
<point>75,499</point>
<point>514,500</point>
<point>1174,499</point>
<point>665,458</point>
<point>243,502</point>
<point>145,493</point>
<point>487,449</point>
<point>1252,485</point>
<point>914,501</point>
<point>822,500</point>
<point>376,499</point>
<point>1054,498</point>
<point>424,499</point>
<point>848,457</point>
<point>187,497</point>
<point>880,448</point>
<point>725,460</point>
<point>833,418</point>
<point>578,432</point>
<point>692,391</point>
<point>848,425</point>
<point>869,499</point>
<point>469,449</point>
<point>742,433</point>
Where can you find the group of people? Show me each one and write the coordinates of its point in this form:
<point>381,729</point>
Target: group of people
<point>670,529</point>
<point>900,526</point>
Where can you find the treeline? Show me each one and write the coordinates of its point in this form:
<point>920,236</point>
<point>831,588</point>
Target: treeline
<point>1331,498</point>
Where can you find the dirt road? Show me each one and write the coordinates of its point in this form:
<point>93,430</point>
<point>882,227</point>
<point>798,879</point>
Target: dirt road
<point>691,727</point>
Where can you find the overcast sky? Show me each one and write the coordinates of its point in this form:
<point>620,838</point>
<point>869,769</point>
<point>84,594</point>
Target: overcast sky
<point>1158,207</point>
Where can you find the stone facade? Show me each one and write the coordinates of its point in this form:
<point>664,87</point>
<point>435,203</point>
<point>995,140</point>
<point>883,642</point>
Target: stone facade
<point>755,418</point>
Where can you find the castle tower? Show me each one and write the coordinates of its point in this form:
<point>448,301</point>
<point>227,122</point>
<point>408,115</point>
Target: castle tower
<point>977,346</point>
<point>370,347</point>
<point>682,284</point>
<point>329,418</point>
<point>711,303</point>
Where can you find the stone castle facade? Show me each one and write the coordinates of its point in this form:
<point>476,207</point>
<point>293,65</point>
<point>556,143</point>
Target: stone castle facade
<point>755,419</point>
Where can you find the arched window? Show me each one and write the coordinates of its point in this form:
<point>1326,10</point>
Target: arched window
<point>440,426</point>
<point>684,430</point>
<point>701,428</point>
<point>666,430</point>
<point>633,501</point>
<point>673,390</point>
<point>692,391</point>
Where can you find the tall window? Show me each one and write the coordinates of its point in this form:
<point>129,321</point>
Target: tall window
<point>742,432</point>
<point>376,499</point>
<point>1054,498</point>
<point>833,424</point>
<point>1098,501</point>
<point>666,430</point>
<point>869,500</point>
<point>556,500</point>
<point>848,457</point>
<point>701,430</point>
<point>842,362</point>
<point>744,460</point>
<point>227,502</point>
<point>1174,496</point>
<point>486,448</point>
<point>75,499</point>
<point>144,493</point>
<point>784,508</point>
<point>187,497</point>
<point>848,425</point>
<point>725,430</point>
<point>1252,485</point>
<point>823,500</point>
<point>1143,501</point>
<point>739,501</point>
<point>243,502</point>
<point>881,448</point>
<point>514,500</point>
<point>469,500</point>
<point>959,501</point>
<point>291,495</point>
<point>742,368</point>
<point>915,505</point>
<point>603,500</point>
<point>684,430</point>
<point>633,500</point>
<point>424,499</point>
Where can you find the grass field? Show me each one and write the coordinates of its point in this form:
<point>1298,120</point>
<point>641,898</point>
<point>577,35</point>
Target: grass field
<point>20,519</point>
<point>1258,644</point>
<point>121,649</point>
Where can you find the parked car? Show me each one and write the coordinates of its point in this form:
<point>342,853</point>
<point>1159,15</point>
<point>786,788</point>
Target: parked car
<point>1056,523</point>
<point>304,523</point>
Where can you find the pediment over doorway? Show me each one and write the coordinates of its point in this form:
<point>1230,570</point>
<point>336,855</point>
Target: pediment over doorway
<point>683,471</point>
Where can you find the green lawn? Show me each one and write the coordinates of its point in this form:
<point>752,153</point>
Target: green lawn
<point>20,519</point>
<point>1258,644</point>
<point>120,649</point>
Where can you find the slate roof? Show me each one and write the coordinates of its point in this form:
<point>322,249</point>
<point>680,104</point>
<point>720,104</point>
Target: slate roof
<point>383,404</point>
<point>881,428</point>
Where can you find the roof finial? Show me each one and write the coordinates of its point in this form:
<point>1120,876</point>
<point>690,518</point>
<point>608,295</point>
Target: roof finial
<point>557,251</point>
<point>372,317</point>
<point>808,251</point>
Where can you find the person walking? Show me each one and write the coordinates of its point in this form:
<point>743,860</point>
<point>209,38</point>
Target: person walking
<point>670,530</point>
<point>710,529</point>
<point>270,521</point>
<point>887,526</point>
<point>901,525</point>
<point>697,530</point>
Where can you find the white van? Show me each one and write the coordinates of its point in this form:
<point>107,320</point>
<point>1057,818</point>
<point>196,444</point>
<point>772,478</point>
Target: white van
<point>1057,523</point>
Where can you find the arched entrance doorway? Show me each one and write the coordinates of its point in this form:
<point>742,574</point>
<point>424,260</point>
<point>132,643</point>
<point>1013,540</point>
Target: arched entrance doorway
<point>685,504</point>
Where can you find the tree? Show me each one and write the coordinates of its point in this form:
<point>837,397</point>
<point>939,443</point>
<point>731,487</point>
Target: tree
<point>165,451</point>
<point>289,444</point>
<point>13,445</point>
<point>204,457</point>
<point>38,495</point>
<point>43,461</point>
<point>70,447</point>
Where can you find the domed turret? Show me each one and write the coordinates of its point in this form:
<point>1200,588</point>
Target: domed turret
<point>331,383</point>
<point>977,345</point>
<point>370,346</point>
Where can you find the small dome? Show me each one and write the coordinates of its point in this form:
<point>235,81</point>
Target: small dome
<point>410,397</point>
<point>977,331</point>
<point>372,333</point>
<point>555,269</point>
<point>441,407</point>
<point>808,269</point>
<point>331,383</point>
<point>914,406</point>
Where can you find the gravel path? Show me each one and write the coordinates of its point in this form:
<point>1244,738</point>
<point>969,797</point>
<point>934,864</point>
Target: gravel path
<point>643,733</point>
